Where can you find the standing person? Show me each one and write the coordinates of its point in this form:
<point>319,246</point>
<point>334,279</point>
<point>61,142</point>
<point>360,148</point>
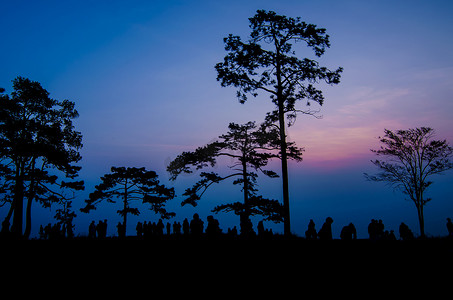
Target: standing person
<point>92,230</point>
<point>185,227</point>
<point>326,230</point>
<point>260,228</point>
<point>99,229</point>
<point>213,229</point>
<point>139,229</point>
<point>311,233</point>
<point>159,228</point>
<point>177,228</point>
<point>450,228</point>
<point>373,230</point>
<point>196,226</point>
<point>168,227</point>
<point>104,229</point>
<point>121,230</point>
<point>380,229</point>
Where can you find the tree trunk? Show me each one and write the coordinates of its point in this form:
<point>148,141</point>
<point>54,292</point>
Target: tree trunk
<point>245,221</point>
<point>18,202</point>
<point>28,218</point>
<point>246,185</point>
<point>421,220</point>
<point>125,207</point>
<point>31,196</point>
<point>283,148</point>
<point>6,222</point>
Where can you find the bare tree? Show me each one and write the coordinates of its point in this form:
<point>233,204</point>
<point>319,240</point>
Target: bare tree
<point>410,157</point>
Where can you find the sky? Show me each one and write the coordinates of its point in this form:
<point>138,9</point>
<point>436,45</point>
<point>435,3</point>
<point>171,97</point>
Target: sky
<point>142,76</point>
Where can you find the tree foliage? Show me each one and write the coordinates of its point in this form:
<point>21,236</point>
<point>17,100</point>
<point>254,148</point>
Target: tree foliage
<point>37,142</point>
<point>268,63</point>
<point>250,147</point>
<point>409,159</point>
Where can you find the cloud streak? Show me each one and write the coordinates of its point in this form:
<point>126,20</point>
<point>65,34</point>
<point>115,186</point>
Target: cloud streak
<point>349,131</point>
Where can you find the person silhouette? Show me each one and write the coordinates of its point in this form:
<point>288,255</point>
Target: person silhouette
<point>325,233</point>
<point>121,230</point>
<point>311,233</point>
<point>260,228</point>
<point>176,228</point>
<point>92,230</point>
<point>392,236</point>
<point>185,227</point>
<point>373,229</point>
<point>450,228</point>
<point>196,226</point>
<point>405,232</point>
<point>160,228</point>
<point>139,229</point>
<point>380,229</point>
<point>213,229</point>
<point>99,229</point>
<point>348,232</point>
<point>103,228</point>
<point>168,227</point>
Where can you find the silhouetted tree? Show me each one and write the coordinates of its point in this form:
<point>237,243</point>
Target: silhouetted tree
<point>268,63</point>
<point>65,216</point>
<point>131,184</point>
<point>410,157</point>
<point>37,142</point>
<point>251,149</point>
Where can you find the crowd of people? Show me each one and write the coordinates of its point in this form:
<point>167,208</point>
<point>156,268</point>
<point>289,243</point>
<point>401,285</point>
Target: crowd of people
<point>196,229</point>
<point>56,231</point>
<point>376,231</point>
<point>100,229</point>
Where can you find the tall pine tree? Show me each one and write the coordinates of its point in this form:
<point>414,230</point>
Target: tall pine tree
<point>268,63</point>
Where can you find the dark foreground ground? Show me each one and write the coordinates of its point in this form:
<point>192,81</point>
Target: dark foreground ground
<point>257,251</point>
<point>225,267</point>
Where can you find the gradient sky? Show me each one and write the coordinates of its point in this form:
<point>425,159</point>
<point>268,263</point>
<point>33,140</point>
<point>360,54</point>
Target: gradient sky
<point>143,79</point>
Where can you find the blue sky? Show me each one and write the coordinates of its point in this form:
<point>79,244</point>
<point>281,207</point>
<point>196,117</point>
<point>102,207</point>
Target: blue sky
<point>143,79</point>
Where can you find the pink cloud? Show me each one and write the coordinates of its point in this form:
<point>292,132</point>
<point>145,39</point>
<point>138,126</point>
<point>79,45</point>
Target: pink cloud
<point>347,132</point>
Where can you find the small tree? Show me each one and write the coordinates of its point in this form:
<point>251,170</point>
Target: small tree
<point>410,158</point>
<point>268,63</point>
<point>251,149</point>
<point>65,216</point>
<point>131,184</point>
